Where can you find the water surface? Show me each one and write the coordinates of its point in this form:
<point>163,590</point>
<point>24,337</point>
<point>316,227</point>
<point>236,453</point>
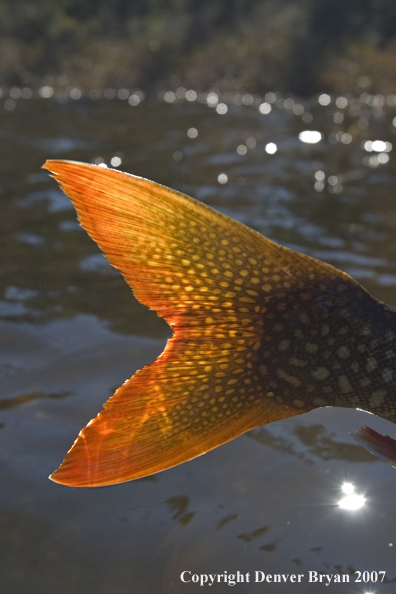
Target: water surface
<point>71,332</point>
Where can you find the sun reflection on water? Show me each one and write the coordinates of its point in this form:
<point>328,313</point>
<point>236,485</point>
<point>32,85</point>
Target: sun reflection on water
<point>310,136</point>
<point>352,500</point>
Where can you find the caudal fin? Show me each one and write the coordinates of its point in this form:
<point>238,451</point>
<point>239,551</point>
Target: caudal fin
<point>213,280</point>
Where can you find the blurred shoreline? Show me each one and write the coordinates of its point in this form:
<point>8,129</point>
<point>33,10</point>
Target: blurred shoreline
<point>300,47</point>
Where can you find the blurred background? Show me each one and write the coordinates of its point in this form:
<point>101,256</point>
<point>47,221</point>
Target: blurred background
<point>297,46</point>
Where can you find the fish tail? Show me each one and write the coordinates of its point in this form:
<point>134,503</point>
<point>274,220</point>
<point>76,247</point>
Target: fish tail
<point>230,296</point>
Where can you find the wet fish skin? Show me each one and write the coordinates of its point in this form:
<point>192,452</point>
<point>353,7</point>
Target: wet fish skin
<point>260,332</point>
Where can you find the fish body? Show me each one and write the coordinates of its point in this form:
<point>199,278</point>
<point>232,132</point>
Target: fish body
<point>329,345</point>
<point>260,332</point>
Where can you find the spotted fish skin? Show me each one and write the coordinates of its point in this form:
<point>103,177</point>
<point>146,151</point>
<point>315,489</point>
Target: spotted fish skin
<point>260,332</point>
<point>332,345</point>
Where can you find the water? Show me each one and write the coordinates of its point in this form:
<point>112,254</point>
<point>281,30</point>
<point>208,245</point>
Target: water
<point>71,332</point>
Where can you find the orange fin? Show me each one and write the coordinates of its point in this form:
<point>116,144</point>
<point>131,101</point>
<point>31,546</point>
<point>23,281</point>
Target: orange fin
<point>382,446</point>
<point>212,279</point>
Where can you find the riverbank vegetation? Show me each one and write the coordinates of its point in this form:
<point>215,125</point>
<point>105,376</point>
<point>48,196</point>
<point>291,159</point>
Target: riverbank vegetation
<point>296,46</point>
